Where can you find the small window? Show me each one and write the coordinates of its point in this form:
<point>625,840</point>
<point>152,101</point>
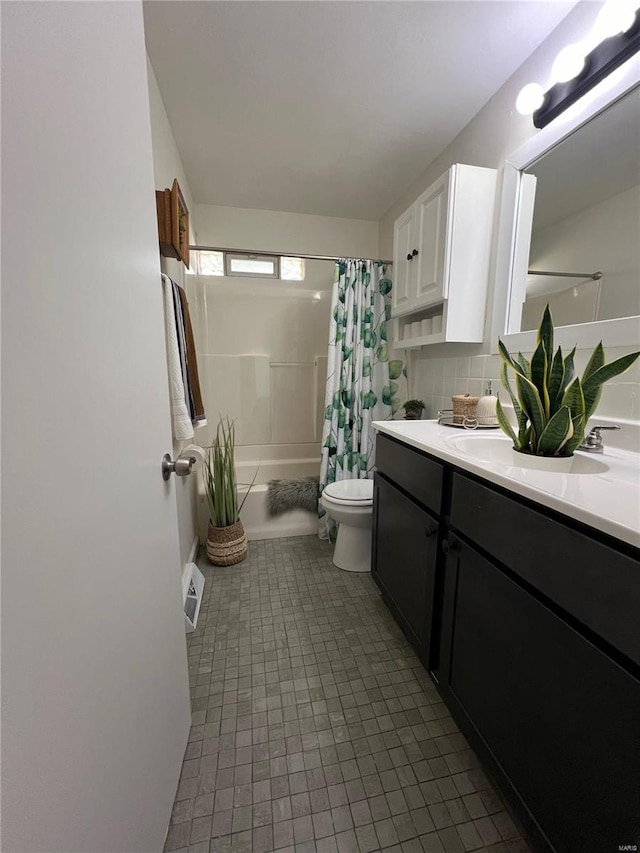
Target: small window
<point>292,269</point>
<point>208,263</point>
<point>263,266</point>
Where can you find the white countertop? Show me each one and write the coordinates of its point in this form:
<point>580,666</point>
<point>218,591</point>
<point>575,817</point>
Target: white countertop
<point>608,500</point>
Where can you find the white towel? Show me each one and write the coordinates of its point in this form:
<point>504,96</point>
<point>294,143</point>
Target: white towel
<point>180,419</point>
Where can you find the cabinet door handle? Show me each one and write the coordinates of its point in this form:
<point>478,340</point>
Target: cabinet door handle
<point>430,531</point>
<point>414,253</point>
<point>448,547</point>
<point>409,256</point>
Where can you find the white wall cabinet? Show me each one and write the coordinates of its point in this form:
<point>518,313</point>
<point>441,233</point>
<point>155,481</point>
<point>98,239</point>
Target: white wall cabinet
<point>441,252</point>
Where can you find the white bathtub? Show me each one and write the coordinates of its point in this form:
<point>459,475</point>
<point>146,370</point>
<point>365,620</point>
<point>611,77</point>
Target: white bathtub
<point>257,522</point>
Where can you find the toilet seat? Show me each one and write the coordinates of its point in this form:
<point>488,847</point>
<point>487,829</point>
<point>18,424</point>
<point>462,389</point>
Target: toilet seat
<point>356,493</point>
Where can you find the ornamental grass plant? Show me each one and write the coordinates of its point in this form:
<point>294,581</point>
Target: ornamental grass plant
<point>220,477</point>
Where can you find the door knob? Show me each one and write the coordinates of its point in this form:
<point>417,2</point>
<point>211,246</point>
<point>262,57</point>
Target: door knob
<point>181,467</point>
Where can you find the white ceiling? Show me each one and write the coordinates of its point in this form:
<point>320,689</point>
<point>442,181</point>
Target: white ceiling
<point>332,108</point>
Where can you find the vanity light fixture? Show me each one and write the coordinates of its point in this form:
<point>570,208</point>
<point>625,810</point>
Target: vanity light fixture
<point>531,97</point>
<point>568,64</point>
<point>579,67</point>
<point>614,17</point>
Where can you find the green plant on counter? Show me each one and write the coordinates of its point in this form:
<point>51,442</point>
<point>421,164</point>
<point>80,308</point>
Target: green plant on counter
<point>552,407</point>
<point>413,406</point>
<point>220,477</point>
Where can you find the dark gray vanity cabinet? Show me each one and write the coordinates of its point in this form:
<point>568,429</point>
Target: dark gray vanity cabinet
<point>406,538</point>
<point>406,554</point>
<point>544,704</point>
<point>532,626</point>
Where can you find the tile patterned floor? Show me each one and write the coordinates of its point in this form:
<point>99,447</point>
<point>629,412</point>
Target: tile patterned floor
<point>315,727</point>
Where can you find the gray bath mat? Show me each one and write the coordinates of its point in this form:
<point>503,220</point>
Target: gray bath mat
<point>283,495</point>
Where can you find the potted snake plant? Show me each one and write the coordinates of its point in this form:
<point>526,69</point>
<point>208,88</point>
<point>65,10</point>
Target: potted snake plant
<point>552,405</point>
<point>413,410</point>
<point>226,539</point>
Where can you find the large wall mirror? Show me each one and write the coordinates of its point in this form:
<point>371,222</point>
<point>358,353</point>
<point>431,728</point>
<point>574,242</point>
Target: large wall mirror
<point>576,227</point>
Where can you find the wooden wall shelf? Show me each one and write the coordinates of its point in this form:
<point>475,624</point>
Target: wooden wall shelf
<point>173,223</point>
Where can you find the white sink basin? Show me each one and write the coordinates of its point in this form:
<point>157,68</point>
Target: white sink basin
<point>499,450</point>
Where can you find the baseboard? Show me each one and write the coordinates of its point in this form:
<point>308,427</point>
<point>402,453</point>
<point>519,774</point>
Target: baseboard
<point>193,552</point>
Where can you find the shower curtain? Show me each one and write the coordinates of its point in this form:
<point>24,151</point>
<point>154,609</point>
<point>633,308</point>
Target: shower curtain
<point>363,385</point>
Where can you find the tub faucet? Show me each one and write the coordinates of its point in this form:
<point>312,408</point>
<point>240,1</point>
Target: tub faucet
<point>593,442</point>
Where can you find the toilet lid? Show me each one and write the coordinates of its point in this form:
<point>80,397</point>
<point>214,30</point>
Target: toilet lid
<point>357,491</point>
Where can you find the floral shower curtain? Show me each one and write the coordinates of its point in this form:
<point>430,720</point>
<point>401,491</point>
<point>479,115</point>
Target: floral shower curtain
<point>363,384</point>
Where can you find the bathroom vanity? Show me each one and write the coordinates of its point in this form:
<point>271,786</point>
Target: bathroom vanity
<point>521,595</point>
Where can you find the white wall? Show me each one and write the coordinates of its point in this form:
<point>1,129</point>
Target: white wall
<point>287,233</point>
<point>95,694</point>
<point>262,343</point>
<point>167,165</point>
<point>496,131</point>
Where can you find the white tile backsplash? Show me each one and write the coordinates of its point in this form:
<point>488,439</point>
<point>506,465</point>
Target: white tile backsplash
<point>492,366</point>
<point>450,366</point>
<point>462,366</point>
<point>620,399</point>
<point>476,387</point>
<point>435,380</point>
<point>448,388</point>
<point>476,367</point>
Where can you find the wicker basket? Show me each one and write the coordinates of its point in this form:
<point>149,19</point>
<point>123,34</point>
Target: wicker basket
<point>226,546</point>
<point>464,406</point>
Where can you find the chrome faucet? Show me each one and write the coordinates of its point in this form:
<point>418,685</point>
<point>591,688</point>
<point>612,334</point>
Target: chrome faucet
<point>593,442</point>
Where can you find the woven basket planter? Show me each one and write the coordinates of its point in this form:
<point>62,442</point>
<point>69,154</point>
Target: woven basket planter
<point>226,546</point>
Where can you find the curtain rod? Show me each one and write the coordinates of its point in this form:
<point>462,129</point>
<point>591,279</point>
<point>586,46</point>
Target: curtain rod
<point>276,254</point>
<point>594,275</point>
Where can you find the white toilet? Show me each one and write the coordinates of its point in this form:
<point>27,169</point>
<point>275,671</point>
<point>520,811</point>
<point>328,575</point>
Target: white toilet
<point>350,503</point>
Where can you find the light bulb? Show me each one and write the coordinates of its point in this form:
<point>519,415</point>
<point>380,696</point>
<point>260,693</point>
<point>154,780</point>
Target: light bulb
<point>616,16</point>
<point>529,99</point>
<point>568,64</point>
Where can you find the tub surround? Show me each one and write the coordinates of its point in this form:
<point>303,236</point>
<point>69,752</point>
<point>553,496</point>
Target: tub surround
<point>262,344</point>
<point>607,500</point>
